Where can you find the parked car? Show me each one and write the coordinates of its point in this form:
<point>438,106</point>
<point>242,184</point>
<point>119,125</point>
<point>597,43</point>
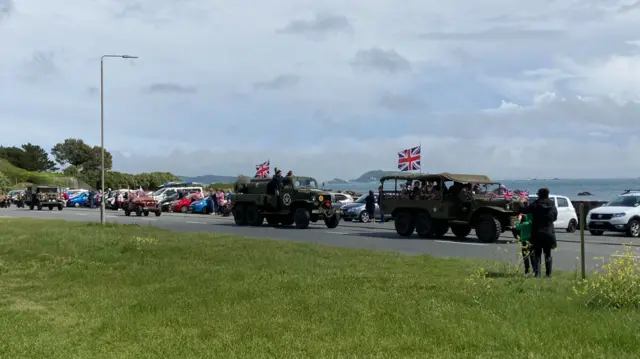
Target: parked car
<point>182,205</point>
<point>79,200</point>
<point>567,216</point>
<point>202,206</point>
<point>622,214</point>
<point>356,210</point>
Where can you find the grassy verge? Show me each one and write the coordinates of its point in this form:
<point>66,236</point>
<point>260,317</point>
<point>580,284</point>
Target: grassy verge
<point>75,290</point>
<point>21,178</point>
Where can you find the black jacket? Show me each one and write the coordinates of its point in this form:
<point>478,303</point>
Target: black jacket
<point>544,213</point>
<point>370,203</point>
<point>274,185</point>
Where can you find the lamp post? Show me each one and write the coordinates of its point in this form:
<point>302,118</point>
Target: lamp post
<point>102,202</point>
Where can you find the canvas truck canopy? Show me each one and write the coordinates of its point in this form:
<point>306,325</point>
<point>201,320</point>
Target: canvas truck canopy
<point>463,178</point>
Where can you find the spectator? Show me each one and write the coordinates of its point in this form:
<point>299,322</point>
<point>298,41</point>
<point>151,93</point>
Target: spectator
<point>543,237</point>
<point>220,200</point>
<point>370,206</point>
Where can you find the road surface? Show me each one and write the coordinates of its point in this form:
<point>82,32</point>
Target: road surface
<point>375,236</point>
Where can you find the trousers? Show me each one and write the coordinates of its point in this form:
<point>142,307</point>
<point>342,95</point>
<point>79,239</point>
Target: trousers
<point>537,260</point>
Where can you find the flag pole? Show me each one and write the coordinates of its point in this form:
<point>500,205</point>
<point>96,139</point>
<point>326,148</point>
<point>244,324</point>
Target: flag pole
<point>420,146</point>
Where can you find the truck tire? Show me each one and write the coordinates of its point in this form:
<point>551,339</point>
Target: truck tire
<point>440,228</point>
<point>253,216</point>
<point>460,230</point>
<point>301,218</point>
<point>158,213</point>
<point>424,225</point>
<point>487,228</point>
<point>60,207</point>
<point>239,216</point>
<point>405,223</point>
<point>273,220</point>
<point>138,211</point>
<point>51,208</point>
<point>333,221</point>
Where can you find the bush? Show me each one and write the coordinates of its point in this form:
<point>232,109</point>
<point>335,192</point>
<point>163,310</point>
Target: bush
<point>5,183</point>
<point>617,283</point>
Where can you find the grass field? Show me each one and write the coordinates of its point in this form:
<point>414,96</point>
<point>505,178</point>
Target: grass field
<point>75,290</point>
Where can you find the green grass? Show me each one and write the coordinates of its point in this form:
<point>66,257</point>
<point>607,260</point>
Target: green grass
<point>75,290</point>
<point>20,178</point>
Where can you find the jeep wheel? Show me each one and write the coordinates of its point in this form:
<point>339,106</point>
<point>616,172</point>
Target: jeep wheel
<point>158,213</point>
<point>253,216</point>
<point>333,221</point>
<point>184,209</point>
<point>487,228</point>
<point>633,228</point>
<point>364,217</point>
<point>127,212</point>
<point>424,225</point>
<point>139,212</point>
<point>146,213</point>
<point>573,226</point>
<point>301,218</point>
<point>596,233</point>
<point>60,207</point>
<point>460,230</point>
<point>51,208</point>
<point>239,215</point>
<point>405,223</point>
<point>273,220</point>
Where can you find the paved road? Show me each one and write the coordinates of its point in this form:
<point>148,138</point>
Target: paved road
<point>355,235</point>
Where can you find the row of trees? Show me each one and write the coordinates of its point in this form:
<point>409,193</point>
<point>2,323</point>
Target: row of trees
<point>82,161</point>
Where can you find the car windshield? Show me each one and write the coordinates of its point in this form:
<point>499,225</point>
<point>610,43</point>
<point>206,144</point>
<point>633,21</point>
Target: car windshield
<point>625,201</point>
<point>363,198</point>
<point>306,182</point>
<point>159,192</point>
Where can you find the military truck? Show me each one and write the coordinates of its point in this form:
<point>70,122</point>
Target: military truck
<point>44,196</point>
<point>444,201</point>
<point>299,202</point>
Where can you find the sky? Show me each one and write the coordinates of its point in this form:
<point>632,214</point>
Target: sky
<point>506,88</point>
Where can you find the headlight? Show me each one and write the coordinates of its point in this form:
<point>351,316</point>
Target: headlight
<point>320,198</point>
<point>313,198</point>
<point>622,214</point>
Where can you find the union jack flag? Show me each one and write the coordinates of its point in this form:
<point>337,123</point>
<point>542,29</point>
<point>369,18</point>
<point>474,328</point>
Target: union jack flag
<point>409,159</point>
<point>263,169</point>
<point>507,194</point>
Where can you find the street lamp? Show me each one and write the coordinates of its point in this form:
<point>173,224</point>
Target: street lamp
<point>102,202</point>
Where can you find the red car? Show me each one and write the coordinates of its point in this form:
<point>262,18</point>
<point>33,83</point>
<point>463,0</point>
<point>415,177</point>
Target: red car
<point>182,205</point>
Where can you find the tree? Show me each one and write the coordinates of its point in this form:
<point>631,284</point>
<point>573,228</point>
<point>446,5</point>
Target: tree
<point>16,156</point>
<point>4,183</point>
<point>84,157</point>
<point>37,159</point>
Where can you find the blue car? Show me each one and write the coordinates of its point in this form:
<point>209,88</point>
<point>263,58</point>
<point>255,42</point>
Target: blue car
<point>80,200</point>
<point>202,206</point>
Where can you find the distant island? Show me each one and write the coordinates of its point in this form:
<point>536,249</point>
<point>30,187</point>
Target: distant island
<point>373,176</point>
<point>337,181</point>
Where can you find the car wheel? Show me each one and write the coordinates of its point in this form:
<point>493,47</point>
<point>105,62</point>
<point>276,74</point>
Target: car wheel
<point>596,233</point>
<point>364,217</point>
<point>633,228</point>
<point>573,226</point>
<point>184,209</point>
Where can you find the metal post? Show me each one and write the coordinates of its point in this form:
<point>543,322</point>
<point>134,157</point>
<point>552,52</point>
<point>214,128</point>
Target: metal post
<point>102,204</point>
<point>582,225</point>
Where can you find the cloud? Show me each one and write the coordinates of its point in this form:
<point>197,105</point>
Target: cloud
<point>503,88</point>
<point>280,82</point>
<point>7,7</point>
<point>377,59</point>
<point>160,88</point>
<point>318,27</point>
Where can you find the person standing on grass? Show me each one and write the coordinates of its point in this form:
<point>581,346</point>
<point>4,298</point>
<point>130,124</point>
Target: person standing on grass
<point>524,226</point>
<point>370,206</point>
<point>543,237</point>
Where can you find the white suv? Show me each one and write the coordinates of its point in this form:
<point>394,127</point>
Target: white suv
<point>622,214</point>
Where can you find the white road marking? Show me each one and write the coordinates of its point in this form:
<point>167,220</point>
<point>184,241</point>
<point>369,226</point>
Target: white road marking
<point>621,255</point>
<point>196,222</point>
<point>81,214</point>
<point>341,233</point>
<point>467,243</point>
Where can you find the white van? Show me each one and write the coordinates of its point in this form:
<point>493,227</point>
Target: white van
<point>567,216</point>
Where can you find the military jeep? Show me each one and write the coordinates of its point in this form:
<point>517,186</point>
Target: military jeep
<point>446,201</point>
<point>44,196</point>
<point>299,202</point>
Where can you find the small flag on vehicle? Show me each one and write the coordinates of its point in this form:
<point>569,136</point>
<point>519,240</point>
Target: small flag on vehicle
<point>409,159</point>
<point>263,169</point>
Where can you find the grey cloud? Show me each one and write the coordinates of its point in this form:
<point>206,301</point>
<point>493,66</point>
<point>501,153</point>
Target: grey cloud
<point>401,103</point>
<point>319,26</point>
<point>278,83</point>
<point>377,59</point>
<point>7,7</point>
<point>40,66</point>
<point>168,88</point>
<point>495,34</point>
<point>630,7</point>
<point>92,91</point>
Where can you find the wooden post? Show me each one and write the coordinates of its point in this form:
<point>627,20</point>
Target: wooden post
<point>583,221</point>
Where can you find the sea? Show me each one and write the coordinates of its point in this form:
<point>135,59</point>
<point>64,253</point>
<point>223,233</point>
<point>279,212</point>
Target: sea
<point>601,189</point>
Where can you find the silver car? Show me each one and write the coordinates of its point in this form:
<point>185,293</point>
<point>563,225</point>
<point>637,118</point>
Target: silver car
<point>356,211</point>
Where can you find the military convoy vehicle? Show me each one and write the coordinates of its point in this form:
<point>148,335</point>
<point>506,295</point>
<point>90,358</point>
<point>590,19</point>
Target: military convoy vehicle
<point>142,205</point>
<point>299,202</point>
<point>446,201</point>
<point>44,196</point>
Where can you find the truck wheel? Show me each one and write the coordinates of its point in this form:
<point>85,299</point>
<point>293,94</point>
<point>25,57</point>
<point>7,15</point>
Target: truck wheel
<point>487,228</point>
<point>460,230</point>
<point>405,223</point>
<point>139,212</point>
<point>146,213</point>
<point>158,213</point>
<point>60,207</point>
<point>51,208</point>
<point>239,215</point>
<point>333,221</point>
<point>253,216</point>
<point>301,218</point>
<point>424,225</point>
